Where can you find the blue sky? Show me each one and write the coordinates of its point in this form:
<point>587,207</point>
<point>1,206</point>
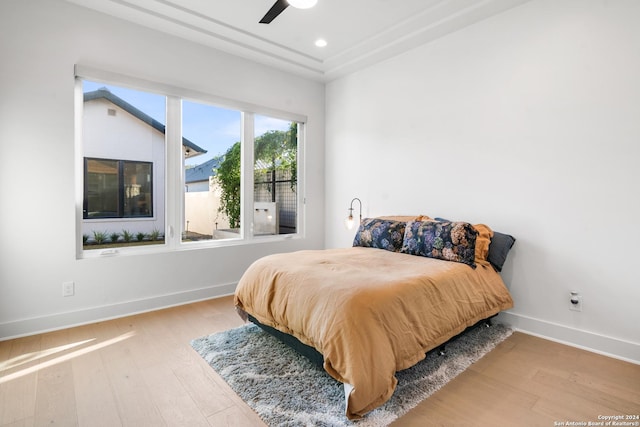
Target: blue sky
<point>213,128</point>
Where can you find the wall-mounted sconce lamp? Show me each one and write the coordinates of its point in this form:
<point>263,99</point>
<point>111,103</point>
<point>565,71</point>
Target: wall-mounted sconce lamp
<point>349,221</point>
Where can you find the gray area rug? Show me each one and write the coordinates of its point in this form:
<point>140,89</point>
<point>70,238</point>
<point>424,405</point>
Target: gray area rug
<point>286,389</point>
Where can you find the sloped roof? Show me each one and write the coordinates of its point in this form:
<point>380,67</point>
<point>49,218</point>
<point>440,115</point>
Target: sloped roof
<point>193,149</point>
<point>201,172</point>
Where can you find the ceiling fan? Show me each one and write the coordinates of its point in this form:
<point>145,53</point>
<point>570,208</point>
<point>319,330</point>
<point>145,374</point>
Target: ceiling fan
<point>280,5</point>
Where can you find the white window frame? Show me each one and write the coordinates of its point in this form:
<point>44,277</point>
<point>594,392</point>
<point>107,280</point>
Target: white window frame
<point>174,168</point>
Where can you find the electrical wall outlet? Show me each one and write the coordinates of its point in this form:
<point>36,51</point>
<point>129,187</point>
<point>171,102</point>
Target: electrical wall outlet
<point>575,301</point>
<point>68,289</point>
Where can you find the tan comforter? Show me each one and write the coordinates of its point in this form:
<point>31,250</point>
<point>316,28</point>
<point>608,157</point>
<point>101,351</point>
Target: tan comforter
<point>370,312</point>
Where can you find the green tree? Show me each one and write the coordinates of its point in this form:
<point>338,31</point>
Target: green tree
<point>228,177</point>
<point>277,148</point>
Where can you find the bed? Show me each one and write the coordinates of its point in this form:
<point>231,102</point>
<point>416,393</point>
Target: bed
<point>403,289</point>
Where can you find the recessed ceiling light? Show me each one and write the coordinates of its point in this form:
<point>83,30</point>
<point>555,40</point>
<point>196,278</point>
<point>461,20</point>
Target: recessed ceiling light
<point>321,42</point>
<point>302,4</point>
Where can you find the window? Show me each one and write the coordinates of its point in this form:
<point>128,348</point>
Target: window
<point>172,172</point>
<point>117,189</point>
<point>212,193</point>
<point>213,190</point>
<point>123,154</point>
<point>275,176</point>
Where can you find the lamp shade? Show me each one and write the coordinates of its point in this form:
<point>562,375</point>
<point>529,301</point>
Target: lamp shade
<point>348,222</point>
<point>302,4</point>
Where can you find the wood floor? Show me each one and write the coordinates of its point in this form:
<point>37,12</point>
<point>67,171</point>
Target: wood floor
<point>141,371</point>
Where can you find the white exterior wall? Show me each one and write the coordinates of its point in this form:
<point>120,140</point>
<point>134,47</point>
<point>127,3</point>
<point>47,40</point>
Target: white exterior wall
<point>124,137</point>
<point>202,210</point>
<point>195,187</point>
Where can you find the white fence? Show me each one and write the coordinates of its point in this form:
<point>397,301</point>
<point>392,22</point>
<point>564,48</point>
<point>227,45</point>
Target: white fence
<point>201,212</point>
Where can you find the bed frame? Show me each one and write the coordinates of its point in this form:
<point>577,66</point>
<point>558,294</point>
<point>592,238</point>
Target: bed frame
<point>316,357</point>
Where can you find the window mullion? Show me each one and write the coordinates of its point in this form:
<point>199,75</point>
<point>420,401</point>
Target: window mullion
<point>80,166</point>
<point>174,173</point>
<point>246,175</point>
<point>120,188</point>
<point>301,186</point>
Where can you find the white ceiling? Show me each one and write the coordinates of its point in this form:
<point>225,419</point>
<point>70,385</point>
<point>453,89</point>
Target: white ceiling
<point>358,32</point>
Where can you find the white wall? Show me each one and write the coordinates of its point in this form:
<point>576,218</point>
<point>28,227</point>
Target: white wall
<point>40,41</point>
<point>528,122</point>
<point>201,211</point>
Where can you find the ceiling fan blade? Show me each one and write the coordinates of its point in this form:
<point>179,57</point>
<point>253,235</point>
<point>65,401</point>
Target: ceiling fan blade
<point>275,10</point>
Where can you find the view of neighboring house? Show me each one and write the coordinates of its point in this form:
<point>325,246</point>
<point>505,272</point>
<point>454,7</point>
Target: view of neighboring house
<point>124,158</point>
<point>124,178</point>
<point>197,178</point>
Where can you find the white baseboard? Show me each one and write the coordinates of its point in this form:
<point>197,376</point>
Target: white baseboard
<point>590,341</point>
<point>597,343</point>
<point>41,324</point>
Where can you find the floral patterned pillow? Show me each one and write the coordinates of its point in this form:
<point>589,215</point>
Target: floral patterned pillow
<point>449,241</point>
<point>381,234</point>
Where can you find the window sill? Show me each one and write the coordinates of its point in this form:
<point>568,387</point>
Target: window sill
<point>167,247</point>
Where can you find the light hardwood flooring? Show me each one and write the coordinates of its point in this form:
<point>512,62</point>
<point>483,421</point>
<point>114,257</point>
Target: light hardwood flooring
<point>141,371</point>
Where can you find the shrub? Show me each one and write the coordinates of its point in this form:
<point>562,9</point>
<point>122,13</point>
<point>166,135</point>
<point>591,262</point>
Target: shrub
<point>100,237</point>
<point>155,234</point>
